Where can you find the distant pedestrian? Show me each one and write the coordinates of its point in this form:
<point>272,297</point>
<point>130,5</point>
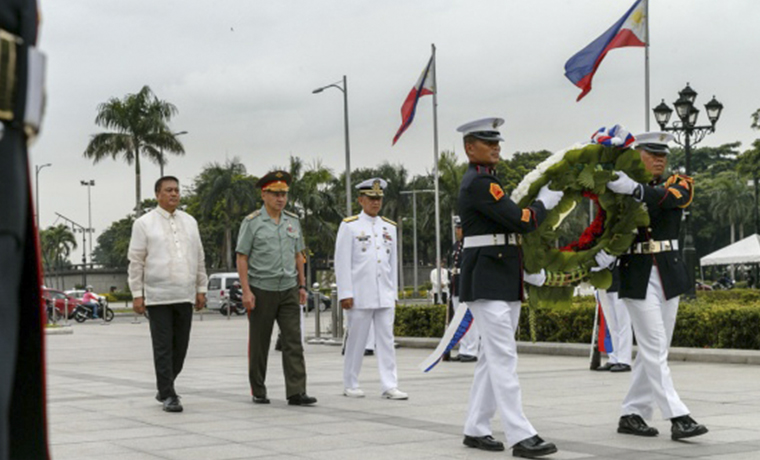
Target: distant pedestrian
<point>270,266</point>
<point>167,275</point>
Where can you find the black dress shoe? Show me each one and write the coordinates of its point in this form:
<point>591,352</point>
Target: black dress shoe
<point>605,368</point>
<point>635,425</point>
<point>685,427</point>
<point>533,447</point>
<point>467,358</point>
<point>261,399</point>
<point>302,400</point>
<point>172,404</point>
<point>454,358</point>
<point>158,397</point>
<point>620,367</point>
<point>483,443</point>
<point>369,352</point>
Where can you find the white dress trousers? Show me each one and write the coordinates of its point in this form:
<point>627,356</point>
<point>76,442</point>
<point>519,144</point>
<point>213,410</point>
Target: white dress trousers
<point>359,321</point>
<point>495,385</point>
<point>651,383</point>
<point>370,338</point>
<point>470,343</point>
<point>619,323</point>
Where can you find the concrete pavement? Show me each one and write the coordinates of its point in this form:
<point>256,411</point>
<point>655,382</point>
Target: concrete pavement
<point>101,388</point>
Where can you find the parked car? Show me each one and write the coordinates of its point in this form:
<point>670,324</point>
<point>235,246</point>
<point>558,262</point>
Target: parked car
<point>60,301</point>
<point>218,288</point>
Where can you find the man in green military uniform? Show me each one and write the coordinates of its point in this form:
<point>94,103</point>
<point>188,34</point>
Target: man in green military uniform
<point>269,256</point>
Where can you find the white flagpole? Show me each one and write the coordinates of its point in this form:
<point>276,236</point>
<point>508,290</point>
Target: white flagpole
<point>646,66</point>
<point>435,173</point>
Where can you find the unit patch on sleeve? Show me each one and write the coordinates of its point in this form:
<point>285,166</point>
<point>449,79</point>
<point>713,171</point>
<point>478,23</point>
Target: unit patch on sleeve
<point>496,191</point>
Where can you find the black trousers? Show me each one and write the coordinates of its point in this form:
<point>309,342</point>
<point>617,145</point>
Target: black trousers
<point>283,307</point>
<point>170,331</point>
<point>23,432</point>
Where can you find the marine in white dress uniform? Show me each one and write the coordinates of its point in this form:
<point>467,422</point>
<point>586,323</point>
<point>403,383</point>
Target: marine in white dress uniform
<point>366,270</point>
<point>491,283</point>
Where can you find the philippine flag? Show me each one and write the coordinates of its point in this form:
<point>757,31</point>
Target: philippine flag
<point>423,87</point>
<point>630,30</point>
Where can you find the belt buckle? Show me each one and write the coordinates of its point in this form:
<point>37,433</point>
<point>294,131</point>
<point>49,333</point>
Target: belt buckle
<point>495,239</point>
<point>666,246</point>
<point>655,247</point>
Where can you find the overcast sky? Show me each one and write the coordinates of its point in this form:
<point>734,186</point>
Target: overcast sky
<point>241,74</point>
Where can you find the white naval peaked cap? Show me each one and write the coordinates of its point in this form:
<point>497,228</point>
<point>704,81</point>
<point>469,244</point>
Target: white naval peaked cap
<point>654,142</point>
<point>372,187</point>
<point>484,129</point>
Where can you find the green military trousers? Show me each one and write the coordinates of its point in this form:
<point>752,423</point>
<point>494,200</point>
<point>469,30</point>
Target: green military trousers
<point>283,307</point>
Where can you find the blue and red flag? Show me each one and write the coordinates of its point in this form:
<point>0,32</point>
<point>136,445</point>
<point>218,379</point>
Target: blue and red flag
<point>630,30</point>
<point>423,87</point>
<point>603,341</point>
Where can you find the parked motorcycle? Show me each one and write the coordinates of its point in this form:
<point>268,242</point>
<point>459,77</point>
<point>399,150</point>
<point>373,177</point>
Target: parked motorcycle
<point>237,307</point>
<point>84,312</point>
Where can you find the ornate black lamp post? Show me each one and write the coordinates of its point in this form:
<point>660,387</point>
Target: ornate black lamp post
<point>687,134</point>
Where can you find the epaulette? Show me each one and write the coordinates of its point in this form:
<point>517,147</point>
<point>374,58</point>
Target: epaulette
<point>253,215</point>
<point>288,213</point>
<point>388,220</point>
<point>351,219</point>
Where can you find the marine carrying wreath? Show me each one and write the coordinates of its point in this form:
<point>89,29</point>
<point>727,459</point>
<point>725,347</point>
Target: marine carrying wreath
<point>581,171</point>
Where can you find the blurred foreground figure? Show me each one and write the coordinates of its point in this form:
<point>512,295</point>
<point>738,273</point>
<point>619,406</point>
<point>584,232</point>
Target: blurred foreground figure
<point>23,433</point>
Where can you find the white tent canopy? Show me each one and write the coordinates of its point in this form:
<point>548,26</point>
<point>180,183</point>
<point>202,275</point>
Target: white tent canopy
<point>744,251</point>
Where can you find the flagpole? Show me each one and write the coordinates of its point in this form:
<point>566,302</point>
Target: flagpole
<point>646,66</point>
<point>435,173</point>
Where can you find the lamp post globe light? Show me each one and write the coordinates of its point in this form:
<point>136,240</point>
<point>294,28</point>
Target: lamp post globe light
<point>344,90</point>
<point>687,134</point>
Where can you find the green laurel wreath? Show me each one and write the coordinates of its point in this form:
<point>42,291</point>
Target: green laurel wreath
<point>582,169</point>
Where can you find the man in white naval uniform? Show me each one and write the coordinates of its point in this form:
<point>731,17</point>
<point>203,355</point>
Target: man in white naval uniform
<point>366,270</point>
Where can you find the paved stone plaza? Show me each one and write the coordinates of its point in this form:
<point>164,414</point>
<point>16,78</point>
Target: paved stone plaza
<point>101,389</point>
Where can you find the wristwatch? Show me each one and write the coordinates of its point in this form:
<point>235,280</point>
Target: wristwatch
<point>302,287</point>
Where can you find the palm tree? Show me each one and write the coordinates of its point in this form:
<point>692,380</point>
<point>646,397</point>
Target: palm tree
<point>56,245</point>
<point>226,193</point>
<point>731,200</point>
<point>140,122</point>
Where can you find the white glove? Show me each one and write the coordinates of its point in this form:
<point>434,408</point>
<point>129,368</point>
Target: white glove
<point>603,260</point>
<point>623,185</point>
<point>536,279</point>
<point>549,198</point>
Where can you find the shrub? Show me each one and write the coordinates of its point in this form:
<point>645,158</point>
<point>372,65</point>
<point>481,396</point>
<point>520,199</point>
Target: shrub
<point>420,320</point>
<point>717,319</point>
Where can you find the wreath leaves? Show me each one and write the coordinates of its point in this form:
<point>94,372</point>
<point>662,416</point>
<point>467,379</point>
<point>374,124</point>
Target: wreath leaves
<point>581,169</point>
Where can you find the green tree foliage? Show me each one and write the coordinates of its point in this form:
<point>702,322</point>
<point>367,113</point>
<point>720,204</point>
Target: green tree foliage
<point>712,160</point>
<point>512,171</point>
<point>113,244</point>
<point>221,195</point>
<point>56,245</point>
<point>730,200</point>
<point>139,124</point>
